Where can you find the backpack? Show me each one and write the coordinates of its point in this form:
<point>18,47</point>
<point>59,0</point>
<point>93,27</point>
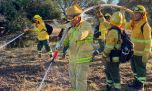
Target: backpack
<point>142,27</point>
<point>49,28</point>
<point>126,51</point>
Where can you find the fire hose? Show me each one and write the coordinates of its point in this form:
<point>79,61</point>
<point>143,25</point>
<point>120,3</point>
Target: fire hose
<point>11,41</point>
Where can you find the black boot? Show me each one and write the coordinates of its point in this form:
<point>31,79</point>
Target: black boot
<point>116,89</point>
<point>136,85</point>
<point>139,86</point>
<point>133,84</point>
<point>108,88</point>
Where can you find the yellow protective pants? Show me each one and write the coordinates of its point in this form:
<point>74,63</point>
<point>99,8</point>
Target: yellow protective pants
<point>78,75</point>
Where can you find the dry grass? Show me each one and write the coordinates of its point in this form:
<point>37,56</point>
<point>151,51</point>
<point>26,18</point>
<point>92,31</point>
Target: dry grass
<point>21,70</point>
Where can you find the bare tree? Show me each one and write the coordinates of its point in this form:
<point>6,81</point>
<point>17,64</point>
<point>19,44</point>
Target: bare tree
<point>63,4</point>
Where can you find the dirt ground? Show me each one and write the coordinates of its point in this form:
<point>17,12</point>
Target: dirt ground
<point>22,70</point>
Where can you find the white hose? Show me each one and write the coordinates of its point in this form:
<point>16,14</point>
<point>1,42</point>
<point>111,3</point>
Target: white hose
<point>41,83</point>
<point>11,41</point>
<point>107,5</point>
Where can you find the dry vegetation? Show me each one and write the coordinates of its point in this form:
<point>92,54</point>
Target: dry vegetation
<point>21,70</point>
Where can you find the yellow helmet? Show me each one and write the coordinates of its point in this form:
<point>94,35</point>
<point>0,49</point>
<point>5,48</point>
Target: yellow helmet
<point>116,19</point>
<point>140,9</point>
<point>74,10</point>
<point>37,17</point>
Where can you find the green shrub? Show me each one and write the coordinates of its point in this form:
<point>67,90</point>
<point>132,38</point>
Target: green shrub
<point>18,12</point>
<point>46,10</point>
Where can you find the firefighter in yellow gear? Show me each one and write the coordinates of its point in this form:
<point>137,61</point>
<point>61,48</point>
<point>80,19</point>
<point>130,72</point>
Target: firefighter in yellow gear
<point>104,25</point>
<point>80,40</point>
<point>39,27</point>
<point>113,41</point>
<point>141,37</point>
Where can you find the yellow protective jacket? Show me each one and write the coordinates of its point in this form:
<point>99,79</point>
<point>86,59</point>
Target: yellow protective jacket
<point>112,41</point>
<point>80,40</point>
<point>40,29</point>
<point>142,40</point>
<point>103,28</point>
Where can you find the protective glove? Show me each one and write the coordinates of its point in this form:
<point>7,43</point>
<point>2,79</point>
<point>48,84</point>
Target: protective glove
<point>145,59</point>
<point>122,11</point>
<point>68,25</point>
<point>96,52</point>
